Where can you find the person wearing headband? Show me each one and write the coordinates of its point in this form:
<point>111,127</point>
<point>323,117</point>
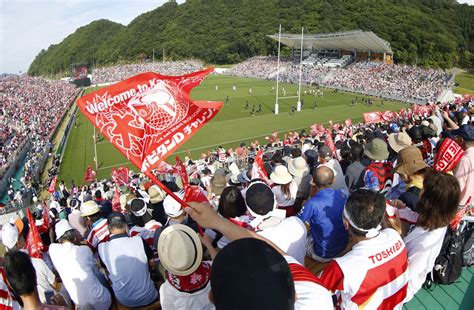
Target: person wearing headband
<point>144,224</point>
<point>374,273</point>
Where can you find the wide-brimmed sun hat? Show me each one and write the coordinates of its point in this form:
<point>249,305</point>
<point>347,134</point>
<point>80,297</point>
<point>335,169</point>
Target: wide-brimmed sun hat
<point>298,167</point>
<point>89,208</point>
<point>156,194</point>
<point>410,160</point>
<point>377,149</point>
<point>179,249</point>
<point>281,175</point>
<point>399,141</point>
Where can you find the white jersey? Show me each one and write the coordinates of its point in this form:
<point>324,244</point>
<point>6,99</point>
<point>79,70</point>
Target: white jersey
<point>423,247</point>
<point>310,294</point>
<point>374,274</point>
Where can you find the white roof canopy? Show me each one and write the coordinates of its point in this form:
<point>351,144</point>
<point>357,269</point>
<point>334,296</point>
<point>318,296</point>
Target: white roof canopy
<point>357,40</point>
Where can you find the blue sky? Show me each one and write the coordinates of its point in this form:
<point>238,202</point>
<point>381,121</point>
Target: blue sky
<point>27,26</point>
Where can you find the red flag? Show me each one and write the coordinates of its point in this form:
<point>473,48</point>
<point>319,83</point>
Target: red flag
<point>180,170</point>
<point>387,116</point>
<point>148,116</point>
<point>116,202</point>
<point>45,227</point>
<point>90,174</point>
<point>52,185</point>
<point>120,175</point>
<point>34,245</point>
<point>194,193</point>
<point>348,122</point>
<point>329,142</point>
<point>258,169</point>
<point>448,156</point>
<point>372,117</point>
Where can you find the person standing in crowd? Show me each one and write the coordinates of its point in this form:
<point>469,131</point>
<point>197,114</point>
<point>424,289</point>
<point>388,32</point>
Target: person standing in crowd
<point>22,279</point>
<point>325,159</point>
<point>464,171</point>
<point>378,174</point>
<point>355,169</point>
<point>374,273</point>
<point>77,268</point>
<point>127,262</point>
<point>284,190</point>
<point>288,233</point>
<point>97,224</point>
<point>328,236</point>
<point>436,208</point>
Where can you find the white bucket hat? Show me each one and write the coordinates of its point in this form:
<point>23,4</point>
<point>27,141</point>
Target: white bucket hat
<point>281,175</point>
<point>179,249</point>
<point>298,167</point>
<point>61,228</point>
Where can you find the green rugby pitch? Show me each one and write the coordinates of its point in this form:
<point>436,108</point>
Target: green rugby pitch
<point>234,124</point>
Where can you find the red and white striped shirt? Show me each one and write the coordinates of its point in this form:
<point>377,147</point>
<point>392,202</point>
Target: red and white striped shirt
<point>374,274</point>
<point>221,154</point>
<point>99,233</point>
<point>7,300</point>
<point>310,294</point>
<point>147,232</point>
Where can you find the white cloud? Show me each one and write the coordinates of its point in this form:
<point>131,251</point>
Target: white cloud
<point>27,26</point>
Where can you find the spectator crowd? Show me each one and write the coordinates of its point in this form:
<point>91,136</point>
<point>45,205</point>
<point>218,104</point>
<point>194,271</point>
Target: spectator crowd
<point>407,83</point>
<point>30,109</point>
<point>348,216</point>
<point>122,72</point>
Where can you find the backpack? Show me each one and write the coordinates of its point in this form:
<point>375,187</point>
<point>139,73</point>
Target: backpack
<point>448,264</point>
<point>468,248</point>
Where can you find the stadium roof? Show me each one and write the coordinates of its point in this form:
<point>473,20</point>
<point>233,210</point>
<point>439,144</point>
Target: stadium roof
<point>358,40</point>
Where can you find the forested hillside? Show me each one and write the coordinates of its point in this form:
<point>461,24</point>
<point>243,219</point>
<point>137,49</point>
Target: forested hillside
<point>432,33</point>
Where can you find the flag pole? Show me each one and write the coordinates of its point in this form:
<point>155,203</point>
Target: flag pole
<point>155,180</point>
<point>278,72</point>
<point>95,149</point>
<point>298,105</point>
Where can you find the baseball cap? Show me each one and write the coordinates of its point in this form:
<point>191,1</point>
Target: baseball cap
<point>116,217</point>
<point>250,272</point>
<point>465,131</point>
<point>61,228</point>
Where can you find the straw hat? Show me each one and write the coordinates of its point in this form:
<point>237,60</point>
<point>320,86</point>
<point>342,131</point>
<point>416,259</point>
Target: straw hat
<point>298,167</point>
<point>410,160</point>
<point>281,175</point>
<point>156,194</point>
<point>377,149</point>
<point>89,208</point>
<point>179,249</point>
<point>399,141</point>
